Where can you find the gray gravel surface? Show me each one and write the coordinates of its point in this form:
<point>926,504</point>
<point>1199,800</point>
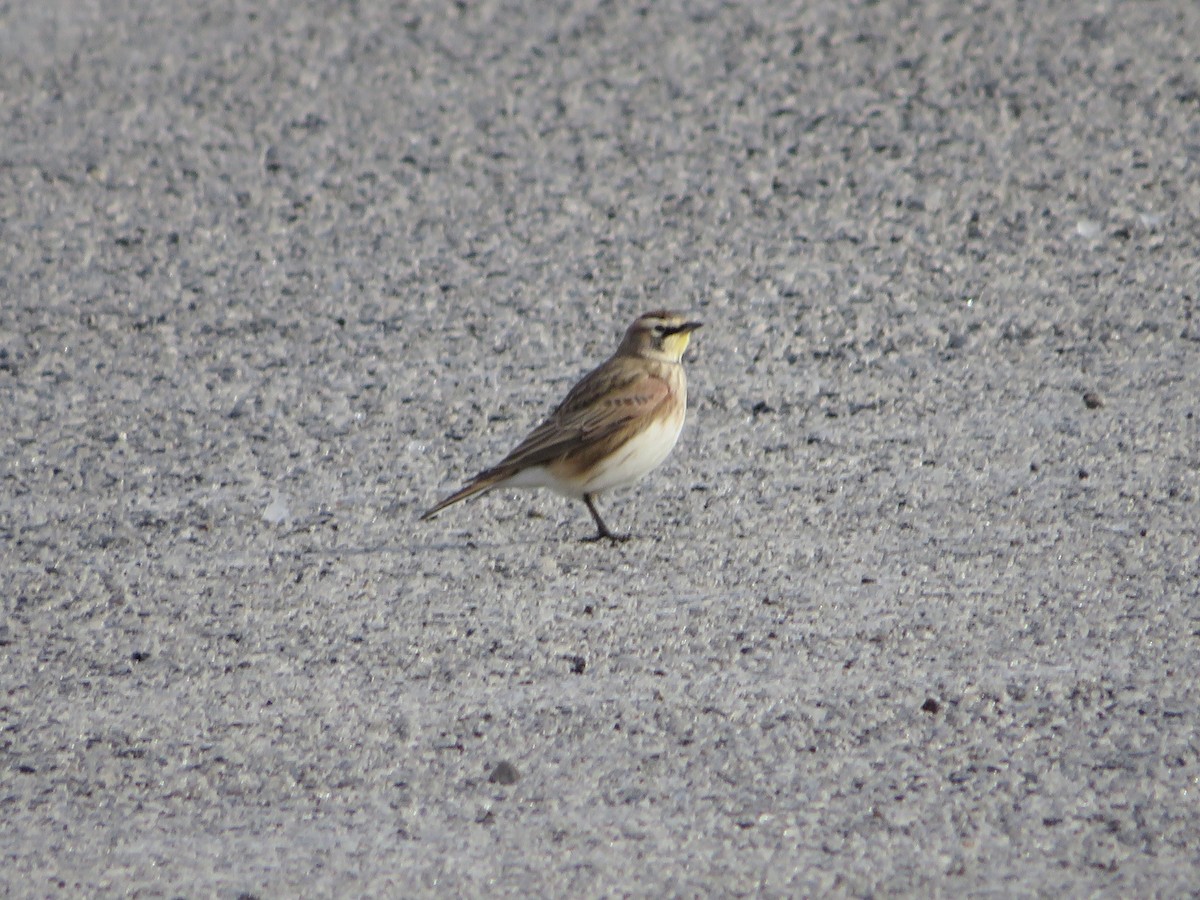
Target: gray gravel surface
<point>912,609</point>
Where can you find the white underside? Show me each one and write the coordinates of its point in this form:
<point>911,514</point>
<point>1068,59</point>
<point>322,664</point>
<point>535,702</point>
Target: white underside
<point>635,459</point>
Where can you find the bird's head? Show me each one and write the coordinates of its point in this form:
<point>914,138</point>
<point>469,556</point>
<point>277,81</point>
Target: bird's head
<point>658,335</point>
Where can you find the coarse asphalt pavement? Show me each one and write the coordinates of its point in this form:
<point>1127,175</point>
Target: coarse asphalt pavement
<point>912,608</point>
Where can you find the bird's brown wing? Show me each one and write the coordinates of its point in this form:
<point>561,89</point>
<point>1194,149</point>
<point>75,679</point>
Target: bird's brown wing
<point>589,422</point>
<point>604,402</point>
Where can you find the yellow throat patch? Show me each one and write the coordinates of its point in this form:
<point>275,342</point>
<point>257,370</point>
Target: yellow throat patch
<point>675,344</point>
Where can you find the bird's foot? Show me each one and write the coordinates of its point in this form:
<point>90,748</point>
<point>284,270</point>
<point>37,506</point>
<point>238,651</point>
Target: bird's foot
<point>607,536</point>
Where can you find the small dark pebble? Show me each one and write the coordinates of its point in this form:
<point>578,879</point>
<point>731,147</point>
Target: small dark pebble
<point>1092,400</point>
<point>504,773</point>
<point>931,706</point>
<point>578,663</point>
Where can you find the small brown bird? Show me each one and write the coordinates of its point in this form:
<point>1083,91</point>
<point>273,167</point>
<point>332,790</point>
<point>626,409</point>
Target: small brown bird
<point>618,423</point>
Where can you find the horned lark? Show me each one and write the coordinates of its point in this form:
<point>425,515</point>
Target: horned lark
<point>618,423</point>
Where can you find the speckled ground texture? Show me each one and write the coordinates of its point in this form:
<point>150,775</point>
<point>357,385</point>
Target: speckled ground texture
<point>912,609</point>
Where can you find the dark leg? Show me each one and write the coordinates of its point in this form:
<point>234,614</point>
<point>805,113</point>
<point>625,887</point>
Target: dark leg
<point>604,532</point>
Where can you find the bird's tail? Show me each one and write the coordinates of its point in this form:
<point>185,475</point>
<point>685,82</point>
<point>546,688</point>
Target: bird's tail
<point>484,481</point>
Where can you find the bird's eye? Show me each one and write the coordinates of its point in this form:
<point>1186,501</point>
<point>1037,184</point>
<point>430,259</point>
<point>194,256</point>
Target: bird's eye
<point>659,330</point>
